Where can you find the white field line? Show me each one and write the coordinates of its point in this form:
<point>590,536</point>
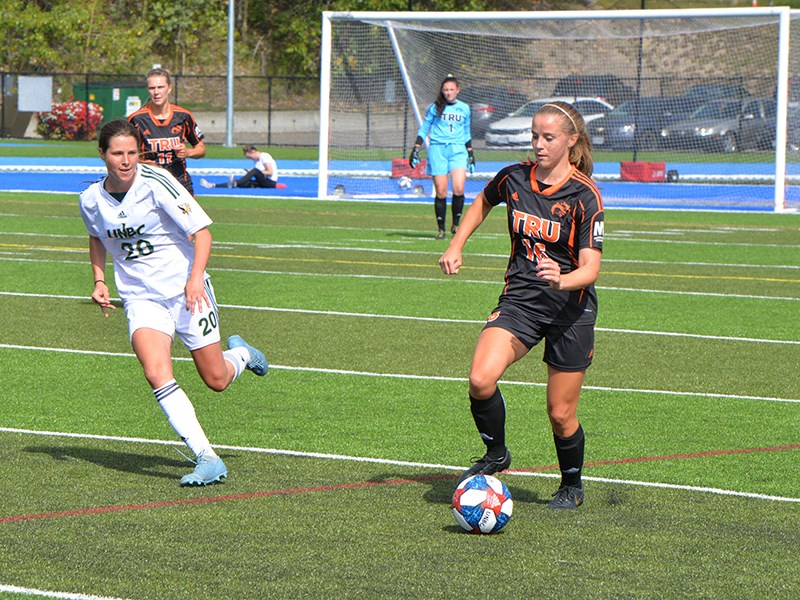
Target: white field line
<point>401,463</point>
<point>689,230</point>
<point>9,256</point>
<point>438,320</point>
<point>697,243</point>
<point>13,589</point>
<point>411,376</point>
<point>332,246</point>
<point>438,280</point>
<point>14,257</point>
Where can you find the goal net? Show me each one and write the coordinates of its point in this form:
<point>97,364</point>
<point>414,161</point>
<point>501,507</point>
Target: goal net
<point>694,109</point>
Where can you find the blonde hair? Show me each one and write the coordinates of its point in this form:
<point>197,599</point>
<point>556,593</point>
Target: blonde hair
<point>580,154</point>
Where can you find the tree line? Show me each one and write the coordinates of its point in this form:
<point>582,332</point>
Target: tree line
<point>272,37</point>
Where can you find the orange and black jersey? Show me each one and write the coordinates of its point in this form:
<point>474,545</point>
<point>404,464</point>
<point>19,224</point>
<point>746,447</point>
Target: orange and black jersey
<point>557,220</point>
<point>161,136</point>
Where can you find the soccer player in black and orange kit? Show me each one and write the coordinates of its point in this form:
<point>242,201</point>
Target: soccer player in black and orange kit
<point>555,219</point>
<point>166,128</point>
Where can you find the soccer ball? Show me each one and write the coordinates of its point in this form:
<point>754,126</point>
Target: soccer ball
<point>404,183</point>
<point>482,504</point>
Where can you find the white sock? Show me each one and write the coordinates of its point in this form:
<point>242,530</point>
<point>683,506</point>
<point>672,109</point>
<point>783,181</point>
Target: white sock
<point>238,357</point>
<point>181,416</point>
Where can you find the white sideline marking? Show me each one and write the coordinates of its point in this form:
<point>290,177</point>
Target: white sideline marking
<point>337,247</point>
<point>424,279</point>
<point>423,377</point>
<point>400,463</point>
<point>13,589</point>
<point>437,319</point>
<point>704,294</point>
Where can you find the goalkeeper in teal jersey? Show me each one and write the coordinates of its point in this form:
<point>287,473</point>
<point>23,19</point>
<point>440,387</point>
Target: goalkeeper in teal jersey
<point>447,121</point>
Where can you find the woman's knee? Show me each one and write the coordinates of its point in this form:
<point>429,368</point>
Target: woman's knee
<point>157,374</point>
<point>481,384</point>
<point>563,420</point>
<point>217,380</point>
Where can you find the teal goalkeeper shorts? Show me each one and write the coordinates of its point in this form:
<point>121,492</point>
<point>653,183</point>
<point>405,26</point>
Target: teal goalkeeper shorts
<point>443,158</point>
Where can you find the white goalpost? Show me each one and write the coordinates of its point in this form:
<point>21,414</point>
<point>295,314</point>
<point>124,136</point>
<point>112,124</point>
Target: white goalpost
<point>697,108</point>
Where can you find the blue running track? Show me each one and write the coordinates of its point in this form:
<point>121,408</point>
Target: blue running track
<point>57,174</point>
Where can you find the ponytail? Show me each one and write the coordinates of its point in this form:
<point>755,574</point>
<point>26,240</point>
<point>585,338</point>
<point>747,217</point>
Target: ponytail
<point>440,100</point>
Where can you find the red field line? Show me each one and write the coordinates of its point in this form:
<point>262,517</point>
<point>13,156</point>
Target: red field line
<point>706,453</point>
<point>210,499</point>
<point>364,484</point>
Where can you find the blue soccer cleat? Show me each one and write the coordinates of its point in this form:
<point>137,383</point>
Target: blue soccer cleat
<point>210,469</point>
<point>258,363</point>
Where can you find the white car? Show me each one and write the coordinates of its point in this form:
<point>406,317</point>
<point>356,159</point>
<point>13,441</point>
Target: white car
<point>515,129</point>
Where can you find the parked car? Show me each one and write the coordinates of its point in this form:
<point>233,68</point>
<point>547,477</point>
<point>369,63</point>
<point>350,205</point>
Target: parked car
<point>639,121</point>
<point>607,87</point>
<point>698,95</point>
<point>489,104</point>
<point>515,130</point>
<point>726,126</point>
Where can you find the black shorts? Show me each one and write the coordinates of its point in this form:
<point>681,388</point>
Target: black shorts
<point>568,347</point>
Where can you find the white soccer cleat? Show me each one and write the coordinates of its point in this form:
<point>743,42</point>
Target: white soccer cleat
<point>208,470</point>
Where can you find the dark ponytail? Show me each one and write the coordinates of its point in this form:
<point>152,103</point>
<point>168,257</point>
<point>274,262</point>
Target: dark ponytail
<point>440,100</point>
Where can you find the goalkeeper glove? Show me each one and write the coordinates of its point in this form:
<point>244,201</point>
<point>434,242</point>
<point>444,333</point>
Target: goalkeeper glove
<point>413,159</point>
<point>471,161</point>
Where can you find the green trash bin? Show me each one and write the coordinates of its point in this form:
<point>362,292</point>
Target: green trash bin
<point>118,99</point>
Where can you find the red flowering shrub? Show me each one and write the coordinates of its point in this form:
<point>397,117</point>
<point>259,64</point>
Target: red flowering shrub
<point>68,121</point>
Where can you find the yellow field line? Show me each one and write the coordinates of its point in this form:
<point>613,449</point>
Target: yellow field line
<point>433,265</point>
<point>341,262</point>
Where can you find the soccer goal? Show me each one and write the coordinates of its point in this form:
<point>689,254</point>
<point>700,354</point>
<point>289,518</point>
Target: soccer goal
<point>687,109</point>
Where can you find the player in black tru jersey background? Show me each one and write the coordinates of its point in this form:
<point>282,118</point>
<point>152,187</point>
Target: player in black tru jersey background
<point>166,128</point>
<point>555,219</point>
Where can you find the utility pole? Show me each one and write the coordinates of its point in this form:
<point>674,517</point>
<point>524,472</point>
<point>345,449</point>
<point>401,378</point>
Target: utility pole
<point>229,115</point>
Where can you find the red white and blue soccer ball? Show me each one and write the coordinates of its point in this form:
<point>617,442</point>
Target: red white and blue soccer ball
<point>482,504</point>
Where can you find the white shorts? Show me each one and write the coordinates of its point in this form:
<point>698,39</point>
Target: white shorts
<point>170,316</point>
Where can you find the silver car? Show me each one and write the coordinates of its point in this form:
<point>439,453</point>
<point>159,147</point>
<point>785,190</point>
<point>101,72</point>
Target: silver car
<point>725,126</point>
<point>515,130</point>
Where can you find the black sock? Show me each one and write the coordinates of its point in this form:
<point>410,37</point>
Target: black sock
<point>570,457</point>
<point>490,418</point>
<point>440,206</point>
<point>457,208</point>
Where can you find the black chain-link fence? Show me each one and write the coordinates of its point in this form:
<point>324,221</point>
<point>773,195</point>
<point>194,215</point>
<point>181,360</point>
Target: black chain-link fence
<point>275,110</point>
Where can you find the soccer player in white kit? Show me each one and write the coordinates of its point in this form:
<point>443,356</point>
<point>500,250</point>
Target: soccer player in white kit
<point>157,235</point>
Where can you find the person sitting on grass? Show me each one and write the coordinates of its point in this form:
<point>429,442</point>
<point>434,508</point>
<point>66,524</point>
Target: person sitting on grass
<point>264,173</point>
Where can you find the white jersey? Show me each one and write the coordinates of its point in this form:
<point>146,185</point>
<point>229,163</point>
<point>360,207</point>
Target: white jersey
<point>265,162</point>
<point>147,234</point>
